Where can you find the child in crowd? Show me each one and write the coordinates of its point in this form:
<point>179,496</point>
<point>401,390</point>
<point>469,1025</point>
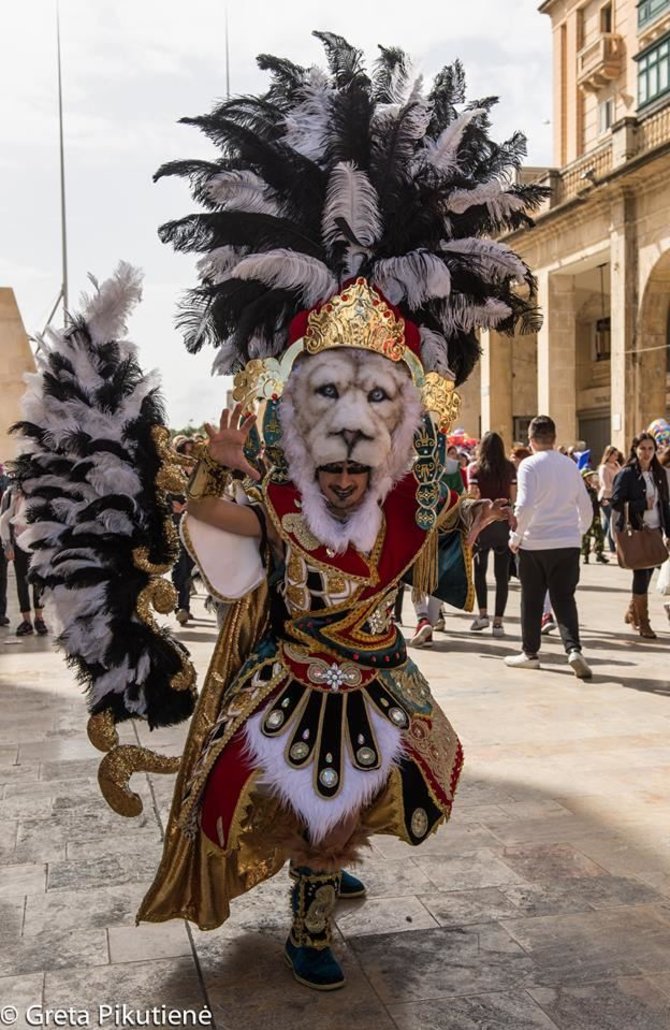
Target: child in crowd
<point>595,532</point>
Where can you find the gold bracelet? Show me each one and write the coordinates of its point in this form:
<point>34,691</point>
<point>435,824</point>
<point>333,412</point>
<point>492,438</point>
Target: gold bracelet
<point>208,479</point>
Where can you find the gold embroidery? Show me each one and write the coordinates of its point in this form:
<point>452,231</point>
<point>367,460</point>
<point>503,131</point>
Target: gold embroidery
<point>295,525</point>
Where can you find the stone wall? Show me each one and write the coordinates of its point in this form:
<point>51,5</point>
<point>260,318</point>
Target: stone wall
<point>16,358</point>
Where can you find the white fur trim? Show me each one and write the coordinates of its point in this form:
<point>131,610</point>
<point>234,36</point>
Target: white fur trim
<point>295,787</point>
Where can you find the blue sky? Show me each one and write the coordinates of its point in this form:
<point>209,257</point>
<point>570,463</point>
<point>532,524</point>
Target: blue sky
<point>132,68</point>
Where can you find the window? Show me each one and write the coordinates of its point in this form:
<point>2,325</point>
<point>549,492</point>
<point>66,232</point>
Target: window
<point>606,18</point>
<point>520,424</point>
<point>605,115</point>
<point>647,10</point>
<point>653,72</point>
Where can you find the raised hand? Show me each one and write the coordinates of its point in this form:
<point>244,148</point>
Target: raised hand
<point>488,512</point>
<point>226,444</point>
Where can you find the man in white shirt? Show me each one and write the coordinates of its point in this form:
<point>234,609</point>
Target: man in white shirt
<point>552,511</point>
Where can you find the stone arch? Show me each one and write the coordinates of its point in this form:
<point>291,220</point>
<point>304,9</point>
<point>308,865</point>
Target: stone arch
<point>650,357</point>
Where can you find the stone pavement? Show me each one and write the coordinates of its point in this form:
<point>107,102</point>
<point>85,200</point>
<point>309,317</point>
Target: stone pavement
<point>544,904</point>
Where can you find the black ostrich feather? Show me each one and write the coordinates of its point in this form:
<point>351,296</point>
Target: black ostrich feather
<point>89,476</point>
<point>316,143</point>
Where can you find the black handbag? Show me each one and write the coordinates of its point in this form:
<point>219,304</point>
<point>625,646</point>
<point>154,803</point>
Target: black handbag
<point>639,548</point>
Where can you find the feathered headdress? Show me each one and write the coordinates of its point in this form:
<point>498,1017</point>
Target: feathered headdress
<point>334,177</point>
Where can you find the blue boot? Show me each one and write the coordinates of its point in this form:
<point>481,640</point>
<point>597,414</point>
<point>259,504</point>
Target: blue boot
<point>350,886</point>
<point>307,950</point>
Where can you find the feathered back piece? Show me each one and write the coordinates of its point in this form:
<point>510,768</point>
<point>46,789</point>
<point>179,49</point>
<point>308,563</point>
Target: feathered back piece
<point>344,174</point>
<point>99,528</point>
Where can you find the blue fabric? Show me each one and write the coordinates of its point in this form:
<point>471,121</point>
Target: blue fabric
<point>452,576</point>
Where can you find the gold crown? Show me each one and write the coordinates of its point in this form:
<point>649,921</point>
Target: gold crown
<point>356,317</point>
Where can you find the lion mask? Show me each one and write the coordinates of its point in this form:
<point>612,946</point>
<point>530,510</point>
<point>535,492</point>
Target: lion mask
<point>348,404</point>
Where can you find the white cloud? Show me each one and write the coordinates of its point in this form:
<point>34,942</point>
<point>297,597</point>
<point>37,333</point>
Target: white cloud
<point>132,68</point>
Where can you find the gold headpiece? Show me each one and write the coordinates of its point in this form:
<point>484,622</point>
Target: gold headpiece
<point>358,317</point>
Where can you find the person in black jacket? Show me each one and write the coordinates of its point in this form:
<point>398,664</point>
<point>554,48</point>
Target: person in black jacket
<point>642,485</point>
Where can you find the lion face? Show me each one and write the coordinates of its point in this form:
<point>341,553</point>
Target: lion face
<point>348,405</point>
<point>353,405</point>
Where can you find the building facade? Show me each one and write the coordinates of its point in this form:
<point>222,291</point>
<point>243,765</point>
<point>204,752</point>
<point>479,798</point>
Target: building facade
<point>16,359</point>
<point>601,244</point>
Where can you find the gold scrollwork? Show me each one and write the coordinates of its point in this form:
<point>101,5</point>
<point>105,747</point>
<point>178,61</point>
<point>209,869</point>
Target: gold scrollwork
<point>118,766</point>
<point>440,397</point>
<point>120,762</point>
<point>321,909</point>
<point>170,477</point>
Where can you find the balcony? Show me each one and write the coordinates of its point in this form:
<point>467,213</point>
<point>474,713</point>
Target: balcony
<point>600,62</point>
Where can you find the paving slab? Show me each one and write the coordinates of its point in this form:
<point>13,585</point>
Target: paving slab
<point>544,905</point>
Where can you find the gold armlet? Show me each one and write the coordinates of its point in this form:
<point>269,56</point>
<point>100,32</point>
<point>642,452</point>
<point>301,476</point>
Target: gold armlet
<point>208,479</point>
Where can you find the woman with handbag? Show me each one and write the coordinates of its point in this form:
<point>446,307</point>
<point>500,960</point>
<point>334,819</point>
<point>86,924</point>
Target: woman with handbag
<point>492,477</point>
<point>640,496</point>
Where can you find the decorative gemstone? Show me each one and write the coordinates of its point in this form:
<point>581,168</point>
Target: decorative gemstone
<point>286,702</point>
<point>397,716</point>
<point>274,719</point>
<point>330,552</point>
<point>360,739</point>
<point>328,777</point>
<point>299,751</point>
<point>329,758</point>
<point>419,822</point>
<point>366,756</point>
<point>305,734</point>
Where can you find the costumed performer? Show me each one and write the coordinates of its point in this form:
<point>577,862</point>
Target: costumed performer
<point>347,267</point>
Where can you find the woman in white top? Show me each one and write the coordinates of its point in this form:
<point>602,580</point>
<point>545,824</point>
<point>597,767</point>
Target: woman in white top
<point>607,470</point>
<point>643,486</point>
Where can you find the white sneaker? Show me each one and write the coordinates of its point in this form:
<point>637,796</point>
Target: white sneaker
<point>579,665</point>
<point>497,631</point>
<point>481,622</point>
<point>440,623</point>
<point>521,661</point>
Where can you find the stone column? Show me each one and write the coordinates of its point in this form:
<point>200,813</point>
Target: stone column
<point>556,354</point>
<point>16,358</point>
<point>623,313</point>
<point>496,384</point>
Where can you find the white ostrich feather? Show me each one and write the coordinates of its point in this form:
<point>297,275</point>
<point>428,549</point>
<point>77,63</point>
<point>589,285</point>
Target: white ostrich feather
<point>464,316</point>
<point>289,270</point>
<point>106,311</point>
<point>415,277</point>
<point>309,123</point>
<point>434,353</point>
<point>415,121</point>
<point>351,197</point>
<point>494,259</point>
<point>442,153</point>
<point>216,265</point>
<point>225,358</point>
<point>241,191</point>
<point>500,204</point>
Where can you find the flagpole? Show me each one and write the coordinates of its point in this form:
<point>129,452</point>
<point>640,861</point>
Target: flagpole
<point>227,57</point>
<point>64,288</point>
